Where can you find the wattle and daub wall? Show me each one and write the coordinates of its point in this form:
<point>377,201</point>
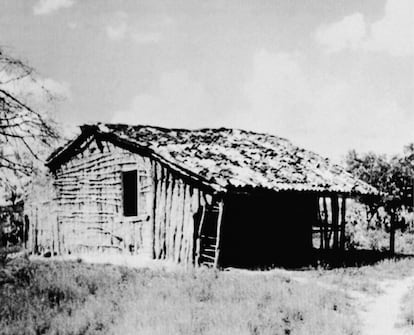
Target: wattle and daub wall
<point>90,207</point>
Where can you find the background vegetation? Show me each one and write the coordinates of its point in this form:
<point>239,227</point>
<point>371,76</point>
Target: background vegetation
<point>369,219</point>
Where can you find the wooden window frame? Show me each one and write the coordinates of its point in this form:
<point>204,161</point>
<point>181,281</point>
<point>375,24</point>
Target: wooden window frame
<point>123,171</point>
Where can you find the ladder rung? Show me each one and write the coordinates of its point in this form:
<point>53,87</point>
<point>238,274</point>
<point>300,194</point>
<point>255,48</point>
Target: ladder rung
<point>207,256</point>
<point>209,237</point>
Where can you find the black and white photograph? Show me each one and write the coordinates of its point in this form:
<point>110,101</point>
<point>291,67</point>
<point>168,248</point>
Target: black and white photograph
<point>212,167</point>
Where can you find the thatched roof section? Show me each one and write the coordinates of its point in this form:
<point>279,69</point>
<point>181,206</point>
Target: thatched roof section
<point>233,158</point>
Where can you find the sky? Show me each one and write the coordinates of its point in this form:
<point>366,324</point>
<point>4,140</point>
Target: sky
<point>330,75</point>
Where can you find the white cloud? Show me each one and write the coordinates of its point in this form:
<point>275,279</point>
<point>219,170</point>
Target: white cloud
<point>121,29</point>
<point>73,25</point>
<point>394,33</point>
<point>117,32</point>
<point>146,37</point>
<point>320,112</point>
<point>34,89</point>
<point>118,29</point>
<point>43,7</point>
<point>277,86</point>
<point>347,33</point>
<point>286,98</point>
<point>178,101</point>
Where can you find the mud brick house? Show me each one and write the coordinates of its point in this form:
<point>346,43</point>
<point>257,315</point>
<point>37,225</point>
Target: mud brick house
<point>221,197</point>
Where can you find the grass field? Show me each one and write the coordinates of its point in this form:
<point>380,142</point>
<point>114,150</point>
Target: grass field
<point>78,298</point>
<point>365,279</point>
<point>70,297</point>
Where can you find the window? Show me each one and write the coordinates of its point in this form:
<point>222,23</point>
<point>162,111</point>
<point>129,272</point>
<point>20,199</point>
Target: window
<point>129,193</point>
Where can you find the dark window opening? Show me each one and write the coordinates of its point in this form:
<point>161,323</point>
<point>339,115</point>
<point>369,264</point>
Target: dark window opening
<point>129,193</point>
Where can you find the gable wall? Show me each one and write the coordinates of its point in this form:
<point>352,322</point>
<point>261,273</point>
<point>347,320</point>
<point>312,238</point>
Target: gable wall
<point>89,201</point>
<point>89,213</point>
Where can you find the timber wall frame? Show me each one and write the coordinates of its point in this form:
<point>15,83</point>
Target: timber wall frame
<point>332,222</point>
<point>88,215</point>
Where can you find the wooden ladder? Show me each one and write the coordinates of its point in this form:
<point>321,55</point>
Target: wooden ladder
<point>208,236</point>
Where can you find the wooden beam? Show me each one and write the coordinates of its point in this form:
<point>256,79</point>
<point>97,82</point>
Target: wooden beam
<point>325,223</point>
<point>320,224</point>
<point>154,205</point>
<point>219,224</point>
<point>335,220</point>
<point>343,223</point>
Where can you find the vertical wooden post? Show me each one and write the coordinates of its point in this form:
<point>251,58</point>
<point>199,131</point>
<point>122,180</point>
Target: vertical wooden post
<point>135,239</point>
<point>320,224</point>
<point>335,220</point>
<point>219,224</point>
<point>343,223</point>
<point>154,206</point>
<point>325,222</point>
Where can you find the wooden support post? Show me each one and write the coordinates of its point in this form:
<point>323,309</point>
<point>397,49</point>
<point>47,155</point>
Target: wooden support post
<point>320,224</point>
<point>154,207</point>
<point>325,223</point>
<point>343,223</point>
<point>335,220</point>
<point>219,224</point>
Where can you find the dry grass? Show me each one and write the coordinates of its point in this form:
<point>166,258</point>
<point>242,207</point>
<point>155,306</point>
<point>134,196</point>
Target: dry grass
<point>366,279</point>
<point>78,298</point>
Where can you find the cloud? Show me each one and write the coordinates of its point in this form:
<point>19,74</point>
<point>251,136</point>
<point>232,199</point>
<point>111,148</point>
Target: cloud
<point>393,33</point>
<point>347,33</point>
<point>118,29</point>
<point>286,98</point>
<point>117,32</point>
<point>73,25</point>
<point>178,101</point>
<point>279,92</point>
<point>282,96</point>
<point>146,37</point>
<point>146,32</point>
<point>35,90</point>
<point>43,7</point>
<point>121,29</point>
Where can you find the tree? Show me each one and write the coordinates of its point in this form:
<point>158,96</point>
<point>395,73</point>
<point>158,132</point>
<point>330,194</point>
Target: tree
<point>394,178</point>
<point>26,128</point>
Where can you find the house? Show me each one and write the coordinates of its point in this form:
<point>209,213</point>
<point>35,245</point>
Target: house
<point>221,197</point>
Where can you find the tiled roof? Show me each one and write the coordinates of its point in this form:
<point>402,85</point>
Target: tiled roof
<point>234,158</point>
